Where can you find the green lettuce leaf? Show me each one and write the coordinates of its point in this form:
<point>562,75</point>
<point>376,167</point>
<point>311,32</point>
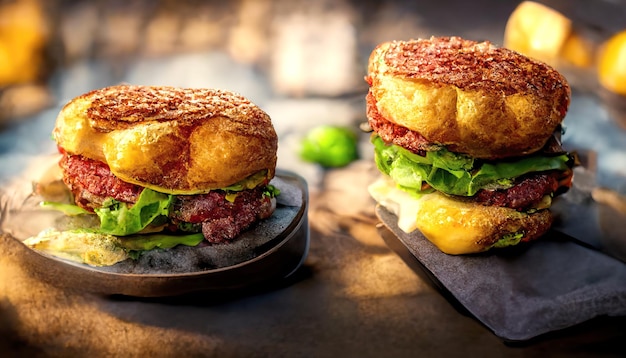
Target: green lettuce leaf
<point>162,241</point>
<point>118,218</point>
<point>456,174</point>
<point>509,240</point>
<point>271,191</point>
<point>67,209</point>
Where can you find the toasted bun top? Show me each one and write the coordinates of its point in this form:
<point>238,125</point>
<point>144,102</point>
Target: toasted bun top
<point>174,140</point>
<point>471,97</point>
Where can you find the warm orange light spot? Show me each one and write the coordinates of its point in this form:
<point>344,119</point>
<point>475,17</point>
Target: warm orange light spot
<point>612,64</point>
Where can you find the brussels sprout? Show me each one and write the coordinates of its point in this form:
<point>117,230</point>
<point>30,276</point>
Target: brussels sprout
<point>330,146</point>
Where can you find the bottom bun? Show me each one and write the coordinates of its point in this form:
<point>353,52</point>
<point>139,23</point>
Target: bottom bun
<point>459,227</point>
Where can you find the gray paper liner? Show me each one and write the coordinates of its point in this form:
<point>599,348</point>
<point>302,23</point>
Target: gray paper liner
<point>523,292</point>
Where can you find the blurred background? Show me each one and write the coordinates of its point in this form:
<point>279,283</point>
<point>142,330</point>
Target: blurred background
<point>301,61</point>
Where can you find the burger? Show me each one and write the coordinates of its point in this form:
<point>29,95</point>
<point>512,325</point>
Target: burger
<point>467,137</point>
<point>156,167</point>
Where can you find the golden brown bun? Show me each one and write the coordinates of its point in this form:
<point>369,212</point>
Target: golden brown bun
<point>458,227</point>
<point>471,97</point>
<point>181,141</point>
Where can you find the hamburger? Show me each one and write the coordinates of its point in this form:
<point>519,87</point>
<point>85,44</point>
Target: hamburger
<point>467,137</point>
<point>156,167</point>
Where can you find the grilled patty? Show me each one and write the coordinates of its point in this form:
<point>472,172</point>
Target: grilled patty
<point>527,192</point>
<point>219,216</point>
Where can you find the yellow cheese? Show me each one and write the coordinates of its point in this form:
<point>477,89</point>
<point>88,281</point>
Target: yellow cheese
<point>454,226</point>
<point>397,201</point>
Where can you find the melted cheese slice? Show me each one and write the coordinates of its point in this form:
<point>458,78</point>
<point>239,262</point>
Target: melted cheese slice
<point>454,226</point>
<point>397,201</point>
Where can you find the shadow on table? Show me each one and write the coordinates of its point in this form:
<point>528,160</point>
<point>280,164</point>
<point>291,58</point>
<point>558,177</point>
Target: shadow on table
<point>215,298</point>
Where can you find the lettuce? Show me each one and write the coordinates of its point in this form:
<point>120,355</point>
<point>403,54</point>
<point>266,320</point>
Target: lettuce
<point>67,209</point>
<point>118,218</point>
<point>162,241</point>
<point>453,173</point>
<point>271,191</point>
<point>509,240</point>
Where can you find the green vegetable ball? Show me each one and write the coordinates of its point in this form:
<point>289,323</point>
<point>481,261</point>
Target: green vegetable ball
<point>330,146</point>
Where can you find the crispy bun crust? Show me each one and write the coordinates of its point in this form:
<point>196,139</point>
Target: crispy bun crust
<point>174,140</point>
<point>471,97</point>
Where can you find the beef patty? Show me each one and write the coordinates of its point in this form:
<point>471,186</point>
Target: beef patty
<point>526,193</point>
<point>221,216</point>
